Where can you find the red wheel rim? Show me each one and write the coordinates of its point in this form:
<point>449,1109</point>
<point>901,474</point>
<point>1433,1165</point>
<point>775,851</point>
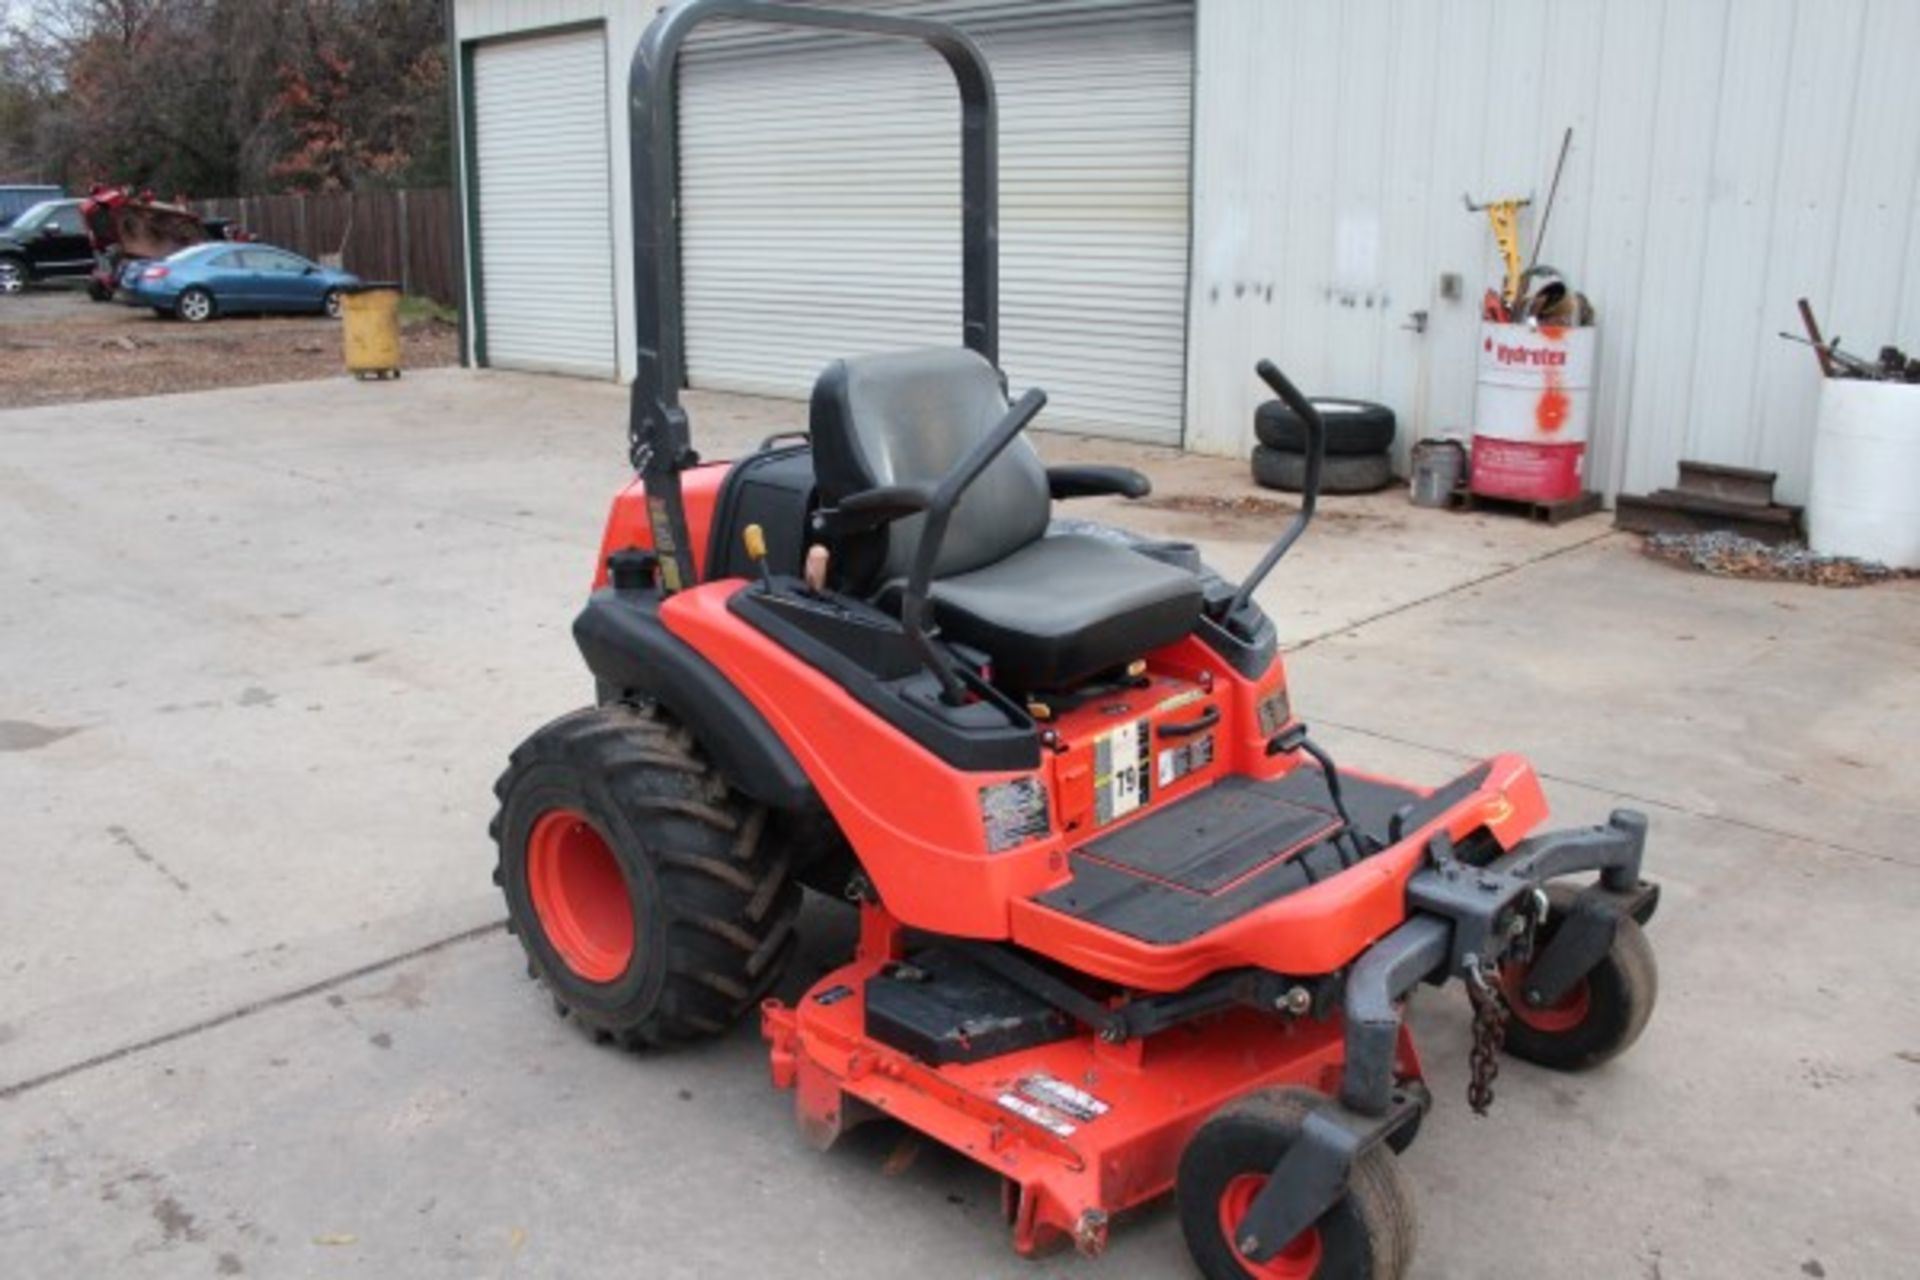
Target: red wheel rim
<point>580,895</point>
<point>1563,1015</point>
<point>1298,1261</point>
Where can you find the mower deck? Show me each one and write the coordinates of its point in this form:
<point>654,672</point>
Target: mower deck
<point>1081,1129</point>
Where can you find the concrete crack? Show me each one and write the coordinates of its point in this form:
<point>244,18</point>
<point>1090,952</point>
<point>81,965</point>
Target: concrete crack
<point>247,1010</point>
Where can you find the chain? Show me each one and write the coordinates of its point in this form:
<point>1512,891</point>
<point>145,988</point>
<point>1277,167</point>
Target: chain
<point>1489,1031</point>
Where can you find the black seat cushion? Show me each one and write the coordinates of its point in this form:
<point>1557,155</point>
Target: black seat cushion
<point>907,417</point>
<point>1047,611</point>
<point>1061,609</point>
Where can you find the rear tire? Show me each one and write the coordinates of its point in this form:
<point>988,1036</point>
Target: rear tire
<point>195,306</point>
<point>617,802</point>
<point>1368,1234</point>
<point>1604,1013</point>
<point>330,304</point>
<point>14,275</point>
<point>1353,473</point>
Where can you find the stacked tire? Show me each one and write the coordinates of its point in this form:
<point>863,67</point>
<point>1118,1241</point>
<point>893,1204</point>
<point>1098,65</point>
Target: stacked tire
<point>1359,446</point>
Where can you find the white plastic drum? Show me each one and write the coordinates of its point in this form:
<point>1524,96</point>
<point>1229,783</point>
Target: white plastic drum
<point>1533,411</point>
<point>1865,499</point>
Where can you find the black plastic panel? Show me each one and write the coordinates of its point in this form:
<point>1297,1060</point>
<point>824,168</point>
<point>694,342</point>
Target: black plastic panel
<point>941,1007</point>
<point>1216,836</point>
<point>773,489</point>
<point>1173,876</point>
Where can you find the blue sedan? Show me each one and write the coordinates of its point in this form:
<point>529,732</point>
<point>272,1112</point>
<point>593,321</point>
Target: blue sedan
<point>222,278</point>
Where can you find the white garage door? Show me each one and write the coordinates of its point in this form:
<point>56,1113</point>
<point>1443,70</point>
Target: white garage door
<point>821,189</point>
<point>546,273</point>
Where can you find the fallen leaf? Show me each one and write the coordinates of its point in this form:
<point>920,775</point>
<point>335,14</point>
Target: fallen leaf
<point>336,1240</point>
<point>905,1152</point>
<point>517,1239</point>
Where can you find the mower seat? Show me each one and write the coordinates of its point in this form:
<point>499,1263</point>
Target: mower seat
<point>1048,612</point>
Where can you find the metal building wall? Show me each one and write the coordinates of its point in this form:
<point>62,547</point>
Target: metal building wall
<point>820,202</point>
<point>623,20</point>
<point>1729,156</point>
<point>1156,403</point>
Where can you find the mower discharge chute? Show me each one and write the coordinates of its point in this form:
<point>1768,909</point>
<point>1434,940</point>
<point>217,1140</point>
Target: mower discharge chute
<point>1126,928</point>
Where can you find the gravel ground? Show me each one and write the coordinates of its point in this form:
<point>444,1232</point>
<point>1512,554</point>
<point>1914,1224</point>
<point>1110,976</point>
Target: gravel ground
<point>1729,555</point>
<point>57,347</point>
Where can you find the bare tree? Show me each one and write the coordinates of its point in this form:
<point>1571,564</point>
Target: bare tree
<point>225,96</point>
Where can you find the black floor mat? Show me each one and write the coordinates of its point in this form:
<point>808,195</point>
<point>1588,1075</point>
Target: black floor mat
<point>1228,850</point>
<point>1211,839</point>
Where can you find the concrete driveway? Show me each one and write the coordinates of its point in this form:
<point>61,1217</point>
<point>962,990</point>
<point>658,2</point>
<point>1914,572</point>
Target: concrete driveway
<point>263,651</point>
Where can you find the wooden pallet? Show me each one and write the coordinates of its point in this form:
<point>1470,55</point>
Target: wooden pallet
<point>1546,512</point>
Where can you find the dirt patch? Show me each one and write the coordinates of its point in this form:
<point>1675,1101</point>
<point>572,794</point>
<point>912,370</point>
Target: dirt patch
<point>1213,504</point>
<point>1728,555</point>
<point>56,347</point>
<point>1228,514</point>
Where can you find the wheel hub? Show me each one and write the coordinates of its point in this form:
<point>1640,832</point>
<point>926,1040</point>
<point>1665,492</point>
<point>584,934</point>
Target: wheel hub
<point>1301,1257</point>
<point>580,895</point>
<point>1564,1014</point>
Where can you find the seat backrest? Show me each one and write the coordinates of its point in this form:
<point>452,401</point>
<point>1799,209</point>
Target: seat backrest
<point>907,418</point>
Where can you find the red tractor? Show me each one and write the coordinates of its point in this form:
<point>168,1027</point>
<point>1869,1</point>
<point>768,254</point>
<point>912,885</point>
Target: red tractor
<point>1125,928</point>
<point>128,226</point>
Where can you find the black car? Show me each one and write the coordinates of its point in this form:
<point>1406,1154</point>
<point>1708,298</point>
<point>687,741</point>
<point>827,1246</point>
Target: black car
<point>47,242</point>
<point>16,200</point>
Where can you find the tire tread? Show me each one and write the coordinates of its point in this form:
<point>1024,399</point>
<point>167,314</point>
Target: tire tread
<point>729,899</point>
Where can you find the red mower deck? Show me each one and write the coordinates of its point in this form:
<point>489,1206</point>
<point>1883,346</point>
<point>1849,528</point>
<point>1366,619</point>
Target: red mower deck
<point>1082,1129</point>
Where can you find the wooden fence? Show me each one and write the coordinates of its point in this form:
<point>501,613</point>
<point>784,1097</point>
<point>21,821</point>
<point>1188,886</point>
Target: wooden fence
<point>404,236</point>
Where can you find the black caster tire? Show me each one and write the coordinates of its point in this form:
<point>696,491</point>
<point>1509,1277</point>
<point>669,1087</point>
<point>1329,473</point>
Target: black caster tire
<point>1604,1013</point>
<point>647,893</point>
<point>1368,1234</point>
<point>1349,473</point>
<point>1353,426</point>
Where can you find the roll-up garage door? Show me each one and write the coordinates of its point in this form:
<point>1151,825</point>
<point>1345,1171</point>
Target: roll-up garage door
<point>546,253</point>
<point>820,204</point>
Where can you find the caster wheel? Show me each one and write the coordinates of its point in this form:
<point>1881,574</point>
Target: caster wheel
<point>1368,1234</point>
<point>1601,1016</point>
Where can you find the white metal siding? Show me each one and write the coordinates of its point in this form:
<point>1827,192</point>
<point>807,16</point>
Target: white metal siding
<point>484,19</point>
<point>1729,156</point>
<point>545,247</point>
<point>820,199</point>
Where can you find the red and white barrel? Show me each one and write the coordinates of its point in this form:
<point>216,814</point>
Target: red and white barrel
<point>1533,411</point>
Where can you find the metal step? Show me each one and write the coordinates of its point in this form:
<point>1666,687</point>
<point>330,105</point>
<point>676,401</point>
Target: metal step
<point>1739,486</point>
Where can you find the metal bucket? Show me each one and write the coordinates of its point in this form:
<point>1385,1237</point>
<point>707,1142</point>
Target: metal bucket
<point>1438,466</point>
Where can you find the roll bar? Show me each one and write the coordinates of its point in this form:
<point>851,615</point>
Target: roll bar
<point>659,443</point>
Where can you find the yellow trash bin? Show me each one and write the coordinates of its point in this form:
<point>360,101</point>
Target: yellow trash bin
<point>371,330</point>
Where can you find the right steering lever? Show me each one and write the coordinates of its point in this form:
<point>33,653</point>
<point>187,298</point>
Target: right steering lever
<point>1309,488</point>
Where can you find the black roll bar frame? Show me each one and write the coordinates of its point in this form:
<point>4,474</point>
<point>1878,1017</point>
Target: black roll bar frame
<point>658,433</point>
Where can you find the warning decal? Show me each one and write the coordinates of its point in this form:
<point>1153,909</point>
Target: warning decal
<point>1177,762</point>
<point>1120,779</point>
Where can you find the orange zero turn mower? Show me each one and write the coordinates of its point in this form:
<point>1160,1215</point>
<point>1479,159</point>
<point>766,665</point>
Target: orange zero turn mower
<point>1125,928</point>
